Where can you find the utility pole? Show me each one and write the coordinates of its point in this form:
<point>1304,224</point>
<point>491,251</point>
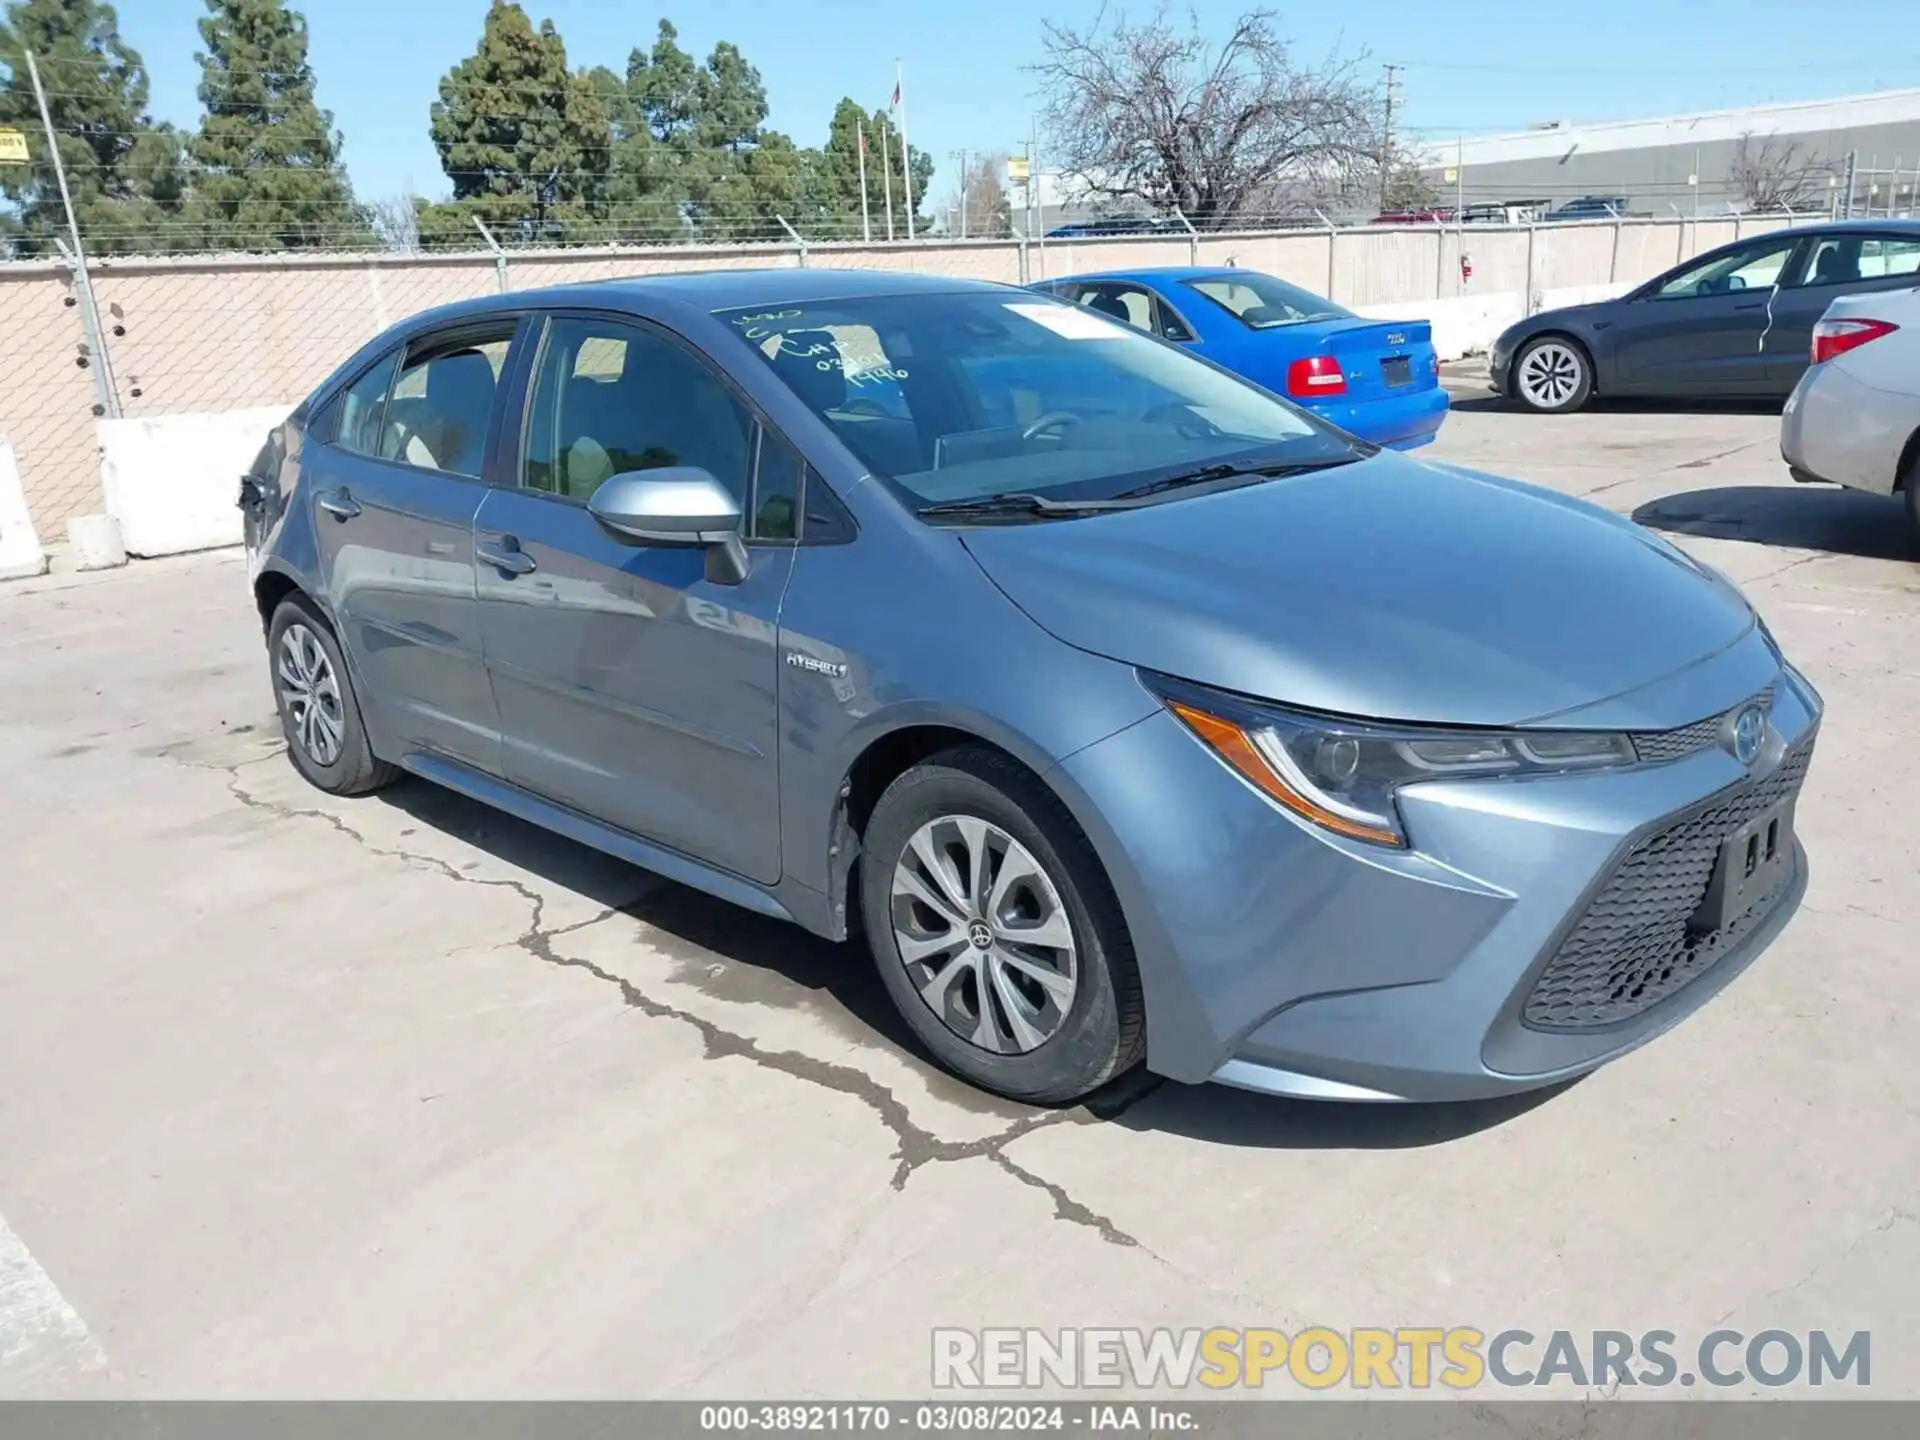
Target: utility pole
<point>1386,141</point>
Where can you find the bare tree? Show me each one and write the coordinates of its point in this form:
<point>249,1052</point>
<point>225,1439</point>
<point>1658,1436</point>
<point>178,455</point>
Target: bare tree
<point>1159,114</point>
<point>980,208</point>
<point>396,223</point>
<point>1771,177</point>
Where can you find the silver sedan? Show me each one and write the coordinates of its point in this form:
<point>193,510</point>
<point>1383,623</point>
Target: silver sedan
<point>1854,418</point>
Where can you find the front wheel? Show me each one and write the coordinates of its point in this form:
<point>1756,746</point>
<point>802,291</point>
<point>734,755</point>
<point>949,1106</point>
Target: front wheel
<point>996,931</point>
<point>1552,375</point>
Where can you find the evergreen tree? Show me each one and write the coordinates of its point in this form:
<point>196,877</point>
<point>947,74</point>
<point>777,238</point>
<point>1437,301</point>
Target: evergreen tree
<point>266,160</point>
<point>126,174</point>
<point>526,145</point>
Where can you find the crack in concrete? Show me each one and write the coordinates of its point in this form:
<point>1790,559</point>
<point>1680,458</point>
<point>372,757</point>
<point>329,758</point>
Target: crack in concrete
<point>1896,1215</point>
<point>915,1145</point>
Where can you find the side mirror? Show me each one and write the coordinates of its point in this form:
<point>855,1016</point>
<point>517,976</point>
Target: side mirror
<point>674,505</point>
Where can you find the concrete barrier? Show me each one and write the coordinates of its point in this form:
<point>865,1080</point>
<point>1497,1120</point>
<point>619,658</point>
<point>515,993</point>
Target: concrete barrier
<point>20,552</point>
<point>1469,324</point>
<point>172,481</point>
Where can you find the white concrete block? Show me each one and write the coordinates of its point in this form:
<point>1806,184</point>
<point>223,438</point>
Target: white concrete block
<point>1469,324</point>
<point>20,552</point>
<point>172,481</point>
<point>93,542</point>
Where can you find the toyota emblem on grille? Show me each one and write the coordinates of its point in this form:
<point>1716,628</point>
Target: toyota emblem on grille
<point>1749,728</point>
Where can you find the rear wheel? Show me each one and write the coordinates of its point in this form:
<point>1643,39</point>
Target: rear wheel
<point>1910,490</point>
<point>326,738</point>
<point>996,931</point>
<point>1552,375</point>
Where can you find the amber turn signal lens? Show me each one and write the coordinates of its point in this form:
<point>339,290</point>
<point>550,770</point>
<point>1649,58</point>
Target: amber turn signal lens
<point>1232,744</point>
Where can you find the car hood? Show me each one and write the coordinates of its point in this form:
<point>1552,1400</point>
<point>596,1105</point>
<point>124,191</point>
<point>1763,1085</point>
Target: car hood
<point>1388,588</point>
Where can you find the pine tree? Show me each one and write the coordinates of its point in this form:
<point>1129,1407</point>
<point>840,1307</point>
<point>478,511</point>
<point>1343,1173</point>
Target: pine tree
<point>267,173</point>
<point>526,145</point>
<point>125,173</point>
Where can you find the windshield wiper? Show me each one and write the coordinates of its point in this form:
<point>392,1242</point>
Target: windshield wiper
<point>1018,503</point>
<point>1021,504</point>
<point>1227,470</point>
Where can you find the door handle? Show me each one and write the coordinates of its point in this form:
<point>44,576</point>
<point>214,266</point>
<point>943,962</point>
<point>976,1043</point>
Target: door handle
<point>338,503</point>
<point>1751,305</point>
<point>506,556</point>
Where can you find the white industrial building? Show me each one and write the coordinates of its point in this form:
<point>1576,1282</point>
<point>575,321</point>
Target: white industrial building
<point>1689,164</point>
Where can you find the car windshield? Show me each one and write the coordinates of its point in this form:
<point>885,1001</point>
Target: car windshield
<point>1263,302</point>
<point>964,396</point>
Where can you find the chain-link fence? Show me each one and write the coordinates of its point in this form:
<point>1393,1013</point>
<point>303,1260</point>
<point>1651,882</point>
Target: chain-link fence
<point>185,335</point>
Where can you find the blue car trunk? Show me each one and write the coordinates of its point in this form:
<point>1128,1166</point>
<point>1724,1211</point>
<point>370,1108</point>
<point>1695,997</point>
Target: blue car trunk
<point>1379,359</point>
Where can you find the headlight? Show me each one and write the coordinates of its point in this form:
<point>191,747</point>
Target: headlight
<point>1343,774</point>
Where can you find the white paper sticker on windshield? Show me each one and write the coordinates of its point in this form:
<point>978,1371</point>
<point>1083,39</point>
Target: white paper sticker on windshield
<point>1070,321</point>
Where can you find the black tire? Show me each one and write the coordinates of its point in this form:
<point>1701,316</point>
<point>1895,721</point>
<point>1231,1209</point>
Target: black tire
<point>1102,1032</point>
<point>1911,494</point>
<point>349,766</point>
<point>1570,369</point>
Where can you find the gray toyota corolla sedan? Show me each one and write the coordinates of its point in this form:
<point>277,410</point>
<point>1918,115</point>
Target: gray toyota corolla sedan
<point>1129,712</point>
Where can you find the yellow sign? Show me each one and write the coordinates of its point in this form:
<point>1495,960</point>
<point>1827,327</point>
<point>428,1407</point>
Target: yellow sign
<point>13,148</point>
<point>1449,175</point>
<point>1017,169</point>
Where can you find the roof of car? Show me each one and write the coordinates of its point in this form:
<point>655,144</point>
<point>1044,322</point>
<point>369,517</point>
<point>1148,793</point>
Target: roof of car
<point>724,289</point>
<point>708,290</point>
<point>1149,272</point>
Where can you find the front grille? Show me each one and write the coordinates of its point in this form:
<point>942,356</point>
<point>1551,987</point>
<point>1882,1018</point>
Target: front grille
<point>1631,947</point>
<point>1657,747</point>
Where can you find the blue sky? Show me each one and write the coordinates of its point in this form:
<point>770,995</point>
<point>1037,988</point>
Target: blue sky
<point>1470,67</point>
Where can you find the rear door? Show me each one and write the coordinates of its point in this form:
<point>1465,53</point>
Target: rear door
<point>395,485</point>
<point>632,687</point>
<point>1700,329</point>
<point>1838,263</point>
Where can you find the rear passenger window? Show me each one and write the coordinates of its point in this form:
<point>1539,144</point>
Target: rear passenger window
<point>442,403</point>
<point>358,411</point>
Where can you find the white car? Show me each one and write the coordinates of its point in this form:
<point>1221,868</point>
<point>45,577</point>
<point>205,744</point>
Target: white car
<point>1854,418</point>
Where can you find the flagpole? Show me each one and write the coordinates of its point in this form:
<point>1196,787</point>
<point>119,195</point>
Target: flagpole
<point>886,183</point>
<point>906,152</point>
<point>866,221</point>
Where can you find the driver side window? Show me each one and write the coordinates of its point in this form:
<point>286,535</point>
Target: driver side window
<point>1751,267</point>
<point>610,398</point>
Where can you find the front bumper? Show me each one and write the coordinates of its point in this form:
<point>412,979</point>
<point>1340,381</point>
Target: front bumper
<point>1277,957</point>
<point>1499,361</point>
<point>1404,422</point>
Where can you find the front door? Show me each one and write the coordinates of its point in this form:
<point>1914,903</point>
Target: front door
<point>631,686</point>
<point>395,485</point>
<point>1847,262</point>
<point>1700,330</point>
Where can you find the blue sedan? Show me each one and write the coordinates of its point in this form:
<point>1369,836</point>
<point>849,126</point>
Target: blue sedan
<point>1376,379</point>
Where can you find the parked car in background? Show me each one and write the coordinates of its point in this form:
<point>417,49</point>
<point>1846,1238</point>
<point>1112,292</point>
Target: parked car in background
<point>1378,379</point>
<point>1590,207</point>
<point>1735,323</point>
<point>1190,731</point>
<point>1854,418</point>
<point>1120,225</point>
<point>1413,217</point>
